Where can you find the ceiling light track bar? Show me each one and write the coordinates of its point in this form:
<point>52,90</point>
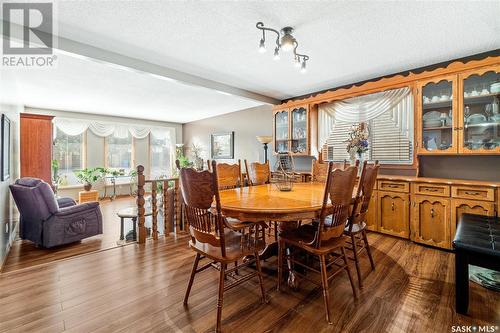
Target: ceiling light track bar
<point>284,41</point>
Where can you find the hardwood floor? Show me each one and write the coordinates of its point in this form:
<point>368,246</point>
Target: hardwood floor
<point>25,254</point>
<point>140,289</point>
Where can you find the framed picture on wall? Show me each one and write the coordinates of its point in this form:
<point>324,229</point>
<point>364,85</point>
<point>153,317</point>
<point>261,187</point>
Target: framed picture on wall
<point>222,145</point>
<point>5,143</point>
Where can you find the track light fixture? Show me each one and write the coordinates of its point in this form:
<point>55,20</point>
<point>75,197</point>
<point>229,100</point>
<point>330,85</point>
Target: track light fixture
<point>284,41</point>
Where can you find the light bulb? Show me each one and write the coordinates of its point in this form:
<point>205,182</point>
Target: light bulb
<point>303,67</point>
<point>262,46</point>
<point>287,40</point>
<point>296,63</point>
<point>287,46</point>
<point>276,54</point>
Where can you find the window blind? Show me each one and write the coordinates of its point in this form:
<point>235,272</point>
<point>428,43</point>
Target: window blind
<point>389,141</point>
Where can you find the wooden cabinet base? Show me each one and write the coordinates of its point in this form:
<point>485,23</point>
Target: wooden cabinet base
<point>393,214</point>
<point>430,221</point>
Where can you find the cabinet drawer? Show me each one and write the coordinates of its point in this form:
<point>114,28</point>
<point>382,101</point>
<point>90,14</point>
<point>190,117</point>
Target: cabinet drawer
<point>439,190</point>
<point>471,192</point>
<point>393,186</point>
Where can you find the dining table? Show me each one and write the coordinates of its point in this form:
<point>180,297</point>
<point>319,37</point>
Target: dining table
<point>264,203</point>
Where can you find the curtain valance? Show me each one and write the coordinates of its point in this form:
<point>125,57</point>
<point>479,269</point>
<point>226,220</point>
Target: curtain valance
<point>72,126</point>
<point>362,109</point>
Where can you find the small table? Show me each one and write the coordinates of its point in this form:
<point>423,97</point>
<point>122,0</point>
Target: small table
<point>88,196</point>
<point>130,213</point>
<point>112,180</point>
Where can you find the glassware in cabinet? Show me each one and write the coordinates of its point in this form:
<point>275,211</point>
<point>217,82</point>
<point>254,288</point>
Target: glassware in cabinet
<point>480,114</point>
<point>298,129</point>
<point>437,116</point>
<point>281,126</point>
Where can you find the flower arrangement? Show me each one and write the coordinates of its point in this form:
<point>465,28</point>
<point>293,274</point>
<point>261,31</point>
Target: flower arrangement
<point>358,139</point>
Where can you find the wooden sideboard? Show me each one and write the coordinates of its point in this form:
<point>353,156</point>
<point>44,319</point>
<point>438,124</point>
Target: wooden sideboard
<point>426,210</point>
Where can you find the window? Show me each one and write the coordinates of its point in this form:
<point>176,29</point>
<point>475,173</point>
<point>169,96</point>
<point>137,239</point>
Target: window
<point>119,153</point>
<point>69,152</point>
<point>160,149</point>
<point>390,140</point>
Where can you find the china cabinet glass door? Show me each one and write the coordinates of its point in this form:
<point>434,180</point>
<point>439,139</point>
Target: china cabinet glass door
<point>281,131</point>
<point>437,116</point>
<point>480,114</point>
<point>299,130</point>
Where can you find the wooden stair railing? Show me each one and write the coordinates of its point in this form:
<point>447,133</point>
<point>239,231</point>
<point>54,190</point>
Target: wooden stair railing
<point>141,211</point>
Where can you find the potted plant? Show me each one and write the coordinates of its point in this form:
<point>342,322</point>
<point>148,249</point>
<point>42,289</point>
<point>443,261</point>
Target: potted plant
<point>183,160</point>
<point>196,151</point>
<point>89,176</point>
<point>56,178</point>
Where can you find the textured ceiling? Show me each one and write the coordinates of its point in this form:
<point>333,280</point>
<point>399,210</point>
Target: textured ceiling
<point>348,41</point>
<point>91,87</point>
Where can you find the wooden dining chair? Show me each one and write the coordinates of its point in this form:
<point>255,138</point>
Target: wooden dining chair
<point>228,175</point>
<point>324,240</point>
<point>210,237</point>
<point>258,173</point>
<point>356,226</point>
<point>320,170</point>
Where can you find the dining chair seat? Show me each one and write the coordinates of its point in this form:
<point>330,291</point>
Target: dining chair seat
<point>237,225</point>
<point>305,234</point>
<point>237,247</point>
<point>356,228</point>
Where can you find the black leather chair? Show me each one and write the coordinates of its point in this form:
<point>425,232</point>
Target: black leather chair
<point>477,242</point>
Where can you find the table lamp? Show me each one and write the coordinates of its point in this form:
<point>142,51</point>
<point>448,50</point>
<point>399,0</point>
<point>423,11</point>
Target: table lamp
<point>265,139</point>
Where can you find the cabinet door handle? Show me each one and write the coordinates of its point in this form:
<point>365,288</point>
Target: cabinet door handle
<point>392,186</point>
<point>392,206</point>
<point>471,193</point>
<point>432,212</point>
<point>429,189</point>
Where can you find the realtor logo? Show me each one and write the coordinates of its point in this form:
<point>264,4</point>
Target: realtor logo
<point>28,37</point>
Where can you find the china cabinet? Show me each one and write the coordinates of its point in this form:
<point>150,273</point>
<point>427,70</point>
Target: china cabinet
<point>460,113</point>
<point>292,130</point>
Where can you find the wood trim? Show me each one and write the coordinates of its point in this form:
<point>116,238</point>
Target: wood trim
<point>390,82</point>
<point>35,116</point>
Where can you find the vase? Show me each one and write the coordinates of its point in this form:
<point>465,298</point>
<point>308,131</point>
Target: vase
<point>352,157</point>
<point>87,186</point>
<point>360,158</point>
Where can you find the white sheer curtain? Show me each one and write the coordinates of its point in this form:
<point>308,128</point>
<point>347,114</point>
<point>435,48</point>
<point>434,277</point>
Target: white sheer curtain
<point>72,126</point>
<point>362,109</point>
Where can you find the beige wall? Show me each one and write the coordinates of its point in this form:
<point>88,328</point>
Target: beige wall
<point>246,124</point>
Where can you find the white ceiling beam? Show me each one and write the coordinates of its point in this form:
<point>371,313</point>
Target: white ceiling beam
<point>90,52</point>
